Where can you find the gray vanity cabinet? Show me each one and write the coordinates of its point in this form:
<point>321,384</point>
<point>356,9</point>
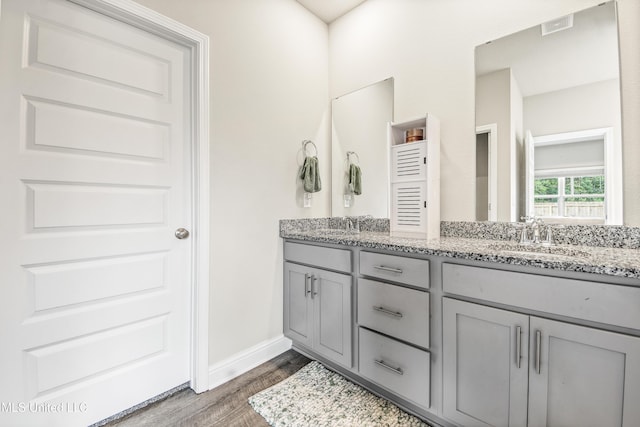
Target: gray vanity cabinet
<point>485,370</point>
<point>298,305</point>
<point>501,368</point>
<point>586,376</point>
<point>471,341</point>
<point>317,303</point>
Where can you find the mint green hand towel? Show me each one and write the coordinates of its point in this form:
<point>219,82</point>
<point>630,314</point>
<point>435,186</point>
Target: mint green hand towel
<point>310,175</point>
<point>355,179</point>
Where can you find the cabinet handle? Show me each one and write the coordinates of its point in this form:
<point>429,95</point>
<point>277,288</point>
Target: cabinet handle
<point>381,309</point>
<point>389,269</point>
<point>314,287</point>
<point>518,345</point>
<point>307,285</point>
<point>382,363</point>
<point>538,350</point>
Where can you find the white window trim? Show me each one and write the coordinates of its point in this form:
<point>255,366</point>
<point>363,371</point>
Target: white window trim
<point>612,157</point>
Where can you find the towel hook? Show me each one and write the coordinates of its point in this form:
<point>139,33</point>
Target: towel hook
<point>307,142</point>
<point>353,153</point>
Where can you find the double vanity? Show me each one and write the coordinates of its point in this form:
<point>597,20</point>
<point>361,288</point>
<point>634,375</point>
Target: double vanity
<point>472,329</point>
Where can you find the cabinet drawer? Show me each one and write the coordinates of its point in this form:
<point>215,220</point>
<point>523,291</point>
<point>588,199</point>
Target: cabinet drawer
<point>330,258</point>
<point>580,299</point>
<point>410,271</point>
<point>398,367</point>
<point>393,310</point>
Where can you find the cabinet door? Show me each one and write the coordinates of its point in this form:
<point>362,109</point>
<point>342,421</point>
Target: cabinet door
<point>582,376</point>
<point>409,162</point>
<point>409,210</point>
<point>485,365</point>
<point>298,308</point>
<point>331,293</point>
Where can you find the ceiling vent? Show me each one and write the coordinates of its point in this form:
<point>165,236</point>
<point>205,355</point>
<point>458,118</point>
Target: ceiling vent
<point>562,23</point>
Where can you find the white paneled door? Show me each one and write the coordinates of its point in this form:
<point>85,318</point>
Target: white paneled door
<point>94,180</point>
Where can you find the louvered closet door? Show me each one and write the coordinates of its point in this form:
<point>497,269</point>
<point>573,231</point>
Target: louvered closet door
<point>409,162</point>
<point>409,188</point>
<point>409,212</point>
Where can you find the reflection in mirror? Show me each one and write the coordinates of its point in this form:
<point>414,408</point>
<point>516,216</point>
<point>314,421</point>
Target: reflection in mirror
<point>359,137</point>
<point>551,92</point>
<point>574,176</point>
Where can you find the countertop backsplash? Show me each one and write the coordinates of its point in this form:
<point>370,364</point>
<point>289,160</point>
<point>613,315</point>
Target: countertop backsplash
<point>606,236</point>
<point>367,223</point>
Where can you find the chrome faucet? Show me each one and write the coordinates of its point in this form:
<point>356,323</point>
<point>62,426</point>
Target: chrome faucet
<point>534,223</point>
<point>524,234</point>
<point>352,223</point>
<point>535,227</point>
<point>548,238</point>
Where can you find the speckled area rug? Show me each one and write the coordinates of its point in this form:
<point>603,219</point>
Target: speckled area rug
<point>315,396</point>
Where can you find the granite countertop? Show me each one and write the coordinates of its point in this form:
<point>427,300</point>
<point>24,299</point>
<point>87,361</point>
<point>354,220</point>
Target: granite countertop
<point>619,262</point>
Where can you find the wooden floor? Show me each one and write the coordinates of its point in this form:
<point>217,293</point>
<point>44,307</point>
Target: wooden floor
<point>225,405</point>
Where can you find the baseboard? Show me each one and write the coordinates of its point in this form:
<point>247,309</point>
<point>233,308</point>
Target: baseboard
<point>244,361</point>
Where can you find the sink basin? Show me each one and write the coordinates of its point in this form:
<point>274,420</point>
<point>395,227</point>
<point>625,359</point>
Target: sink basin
<point>562,252</point>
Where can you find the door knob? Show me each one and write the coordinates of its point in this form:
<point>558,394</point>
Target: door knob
<point>182,233</point>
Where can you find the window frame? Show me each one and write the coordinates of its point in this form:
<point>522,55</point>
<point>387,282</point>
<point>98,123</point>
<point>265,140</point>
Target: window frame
<point>612,174</point>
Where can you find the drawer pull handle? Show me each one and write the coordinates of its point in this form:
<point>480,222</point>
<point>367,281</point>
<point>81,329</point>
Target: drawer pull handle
<point>387,311</point>
<point>389,269</point>
<point>398,371</point>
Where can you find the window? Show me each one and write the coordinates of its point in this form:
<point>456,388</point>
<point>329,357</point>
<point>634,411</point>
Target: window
<point>574,177</point>
<point>570,197</point>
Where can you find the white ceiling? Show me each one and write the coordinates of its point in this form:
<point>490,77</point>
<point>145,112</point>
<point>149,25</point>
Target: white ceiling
<point>329,10</point>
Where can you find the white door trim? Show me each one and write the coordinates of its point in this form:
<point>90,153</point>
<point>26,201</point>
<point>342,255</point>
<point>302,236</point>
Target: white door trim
<point>144,18</point>
<point>492,133</point>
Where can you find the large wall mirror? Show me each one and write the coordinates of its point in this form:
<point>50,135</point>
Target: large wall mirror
<point>359,137</point>
<point>548,122</point>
